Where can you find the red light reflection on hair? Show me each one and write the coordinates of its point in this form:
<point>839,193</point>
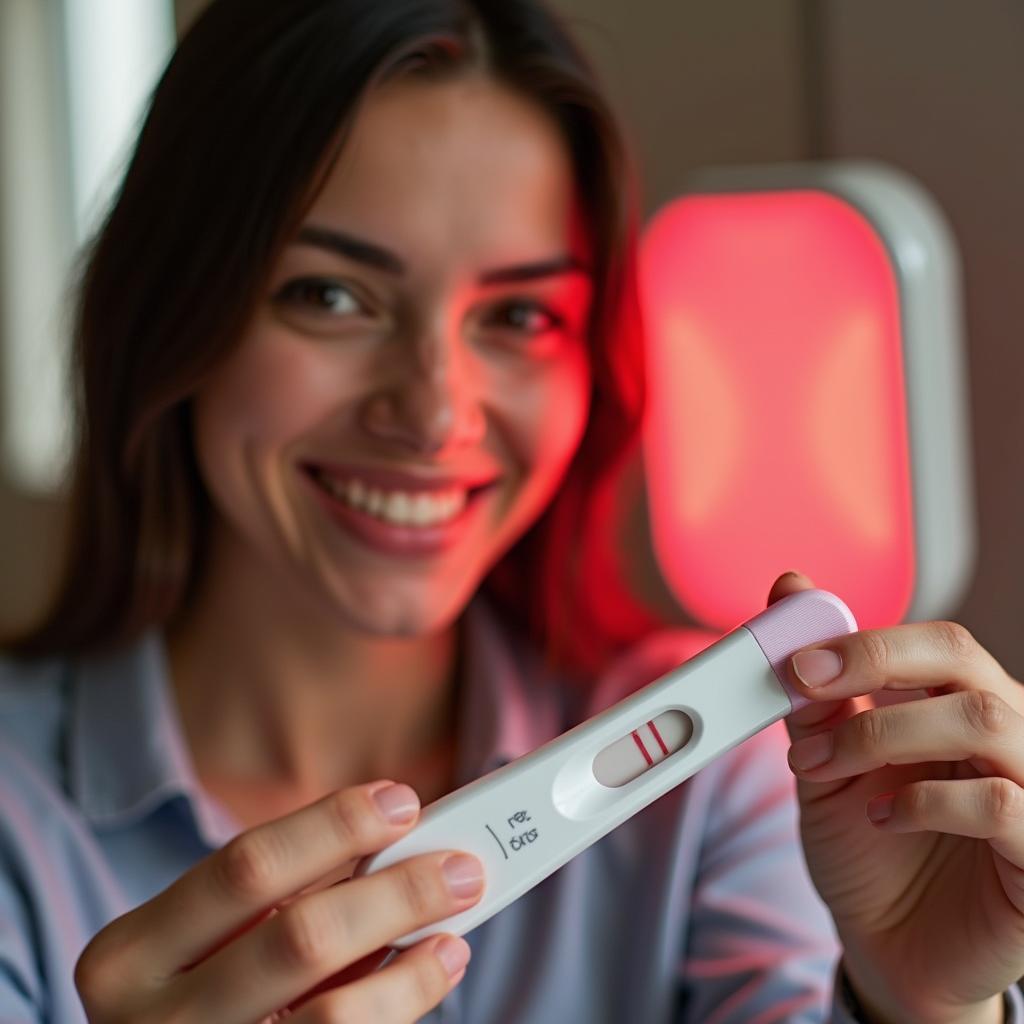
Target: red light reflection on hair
<point>776,435</point>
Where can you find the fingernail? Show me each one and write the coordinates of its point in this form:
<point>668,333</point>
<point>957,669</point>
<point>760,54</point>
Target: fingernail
<point>815,668</point>
<point>792,572</point>
<point>880,809</point>
<point>454,953</point>
<point>397,802</point>
<point>463,874</point>
<point>811,752</point>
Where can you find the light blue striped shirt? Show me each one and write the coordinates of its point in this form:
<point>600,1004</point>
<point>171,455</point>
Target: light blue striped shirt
<point>699,909</point>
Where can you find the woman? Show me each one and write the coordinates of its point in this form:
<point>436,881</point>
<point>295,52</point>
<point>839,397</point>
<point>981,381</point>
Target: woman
<point>357,351</point>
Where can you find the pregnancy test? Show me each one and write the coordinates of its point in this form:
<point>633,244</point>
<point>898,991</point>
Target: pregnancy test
<point>529,817</point>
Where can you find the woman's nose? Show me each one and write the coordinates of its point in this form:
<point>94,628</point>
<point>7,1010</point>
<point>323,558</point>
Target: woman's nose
<point>431,403</point>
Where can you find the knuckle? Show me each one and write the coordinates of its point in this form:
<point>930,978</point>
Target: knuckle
<point>99,972</point>
<point>422,890</point>
<point>915,803</point>
<point>90,977</point>
<point>247,866</point>
<point>1005,802</point>
<point>869,730</point>
<point>349,819</point>
<point>303,938</point>
<point>876,651</point>
<point>986,713</point>
<point>957,640</point>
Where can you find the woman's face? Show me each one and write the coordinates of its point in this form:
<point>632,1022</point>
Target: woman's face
<point>408,395</point>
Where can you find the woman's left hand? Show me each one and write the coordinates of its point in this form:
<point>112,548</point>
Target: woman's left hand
<point>912,818</point>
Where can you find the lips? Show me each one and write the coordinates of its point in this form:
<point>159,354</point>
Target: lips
<point>419,516</point>
<point>387,479</point>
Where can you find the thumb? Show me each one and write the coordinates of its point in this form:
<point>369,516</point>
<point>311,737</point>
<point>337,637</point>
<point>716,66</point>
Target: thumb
<point>809,720</point>
<point>789,583</point>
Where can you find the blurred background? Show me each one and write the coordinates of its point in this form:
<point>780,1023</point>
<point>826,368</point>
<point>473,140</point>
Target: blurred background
<point>932,87</point>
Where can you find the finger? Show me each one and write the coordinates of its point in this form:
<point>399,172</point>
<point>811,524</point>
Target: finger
<point>912,656</point>
<point>407,989</point>
<point>353,972</point>
<point>258,869</point>
<point>988,808</point>
<point>319,934</point>
<point>809,718</point>
<point>955,727</point>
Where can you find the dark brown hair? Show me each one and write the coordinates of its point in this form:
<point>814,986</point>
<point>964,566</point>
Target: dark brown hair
<point>245,122</point>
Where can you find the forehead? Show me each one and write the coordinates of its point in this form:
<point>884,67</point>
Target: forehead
<point>466,171</point>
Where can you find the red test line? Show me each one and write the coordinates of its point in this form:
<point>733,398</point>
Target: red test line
<point>640,743</point>
<point>657,736</point>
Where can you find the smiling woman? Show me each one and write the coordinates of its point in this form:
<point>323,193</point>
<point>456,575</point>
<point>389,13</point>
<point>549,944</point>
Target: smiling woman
<point>357,351</point>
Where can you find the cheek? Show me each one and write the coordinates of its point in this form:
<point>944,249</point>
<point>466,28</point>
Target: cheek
<point>272,393</point>
<point>549,419</point>
<point>268,394</point>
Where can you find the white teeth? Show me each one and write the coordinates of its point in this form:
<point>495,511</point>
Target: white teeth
<point>424,510</point>
<point>398,507</point>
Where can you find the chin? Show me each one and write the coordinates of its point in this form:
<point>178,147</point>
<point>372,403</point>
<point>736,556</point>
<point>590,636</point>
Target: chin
<point>401,615</point>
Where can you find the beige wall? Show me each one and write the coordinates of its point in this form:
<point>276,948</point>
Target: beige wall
<point>936,87</point>
<point>698,81</point>
<point>930,85</point>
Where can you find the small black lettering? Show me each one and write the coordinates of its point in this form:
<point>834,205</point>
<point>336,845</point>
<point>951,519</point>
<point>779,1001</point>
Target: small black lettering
<point>518,818</point>
<point>523,840</point>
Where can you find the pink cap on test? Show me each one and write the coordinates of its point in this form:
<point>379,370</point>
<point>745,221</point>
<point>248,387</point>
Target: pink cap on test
<point>797,621</point>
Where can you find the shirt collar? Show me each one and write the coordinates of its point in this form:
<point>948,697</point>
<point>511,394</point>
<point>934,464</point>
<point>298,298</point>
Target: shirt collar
<point>126,746</point>
<point>127,752</point>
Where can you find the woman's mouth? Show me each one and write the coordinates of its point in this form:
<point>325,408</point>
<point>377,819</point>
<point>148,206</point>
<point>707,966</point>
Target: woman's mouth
<point>400,508</point>
<point>420,520</point>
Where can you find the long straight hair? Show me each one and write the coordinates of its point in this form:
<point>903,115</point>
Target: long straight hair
<point>243,127</point>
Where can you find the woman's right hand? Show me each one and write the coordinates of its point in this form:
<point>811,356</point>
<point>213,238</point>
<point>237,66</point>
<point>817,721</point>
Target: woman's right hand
<point>245,934</point>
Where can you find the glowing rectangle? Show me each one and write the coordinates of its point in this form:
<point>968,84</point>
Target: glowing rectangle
<point>778,419</point>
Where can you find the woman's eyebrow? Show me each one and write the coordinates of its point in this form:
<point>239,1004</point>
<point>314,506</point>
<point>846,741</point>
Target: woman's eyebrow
<point>534,271</point>
<point>375,256</point>
<point>351,247</point>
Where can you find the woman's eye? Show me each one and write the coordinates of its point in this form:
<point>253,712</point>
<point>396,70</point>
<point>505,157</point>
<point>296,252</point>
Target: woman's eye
<point>528,317</point>
<point>319,295</point>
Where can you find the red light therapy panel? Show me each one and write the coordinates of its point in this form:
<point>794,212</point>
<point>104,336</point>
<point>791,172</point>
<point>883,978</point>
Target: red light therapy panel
<point>777,429</point>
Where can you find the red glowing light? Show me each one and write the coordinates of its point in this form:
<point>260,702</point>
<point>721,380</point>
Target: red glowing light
<point>777,431</point>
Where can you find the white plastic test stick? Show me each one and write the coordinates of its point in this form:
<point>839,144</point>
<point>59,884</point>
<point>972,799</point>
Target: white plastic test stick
<point>526,819</point>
